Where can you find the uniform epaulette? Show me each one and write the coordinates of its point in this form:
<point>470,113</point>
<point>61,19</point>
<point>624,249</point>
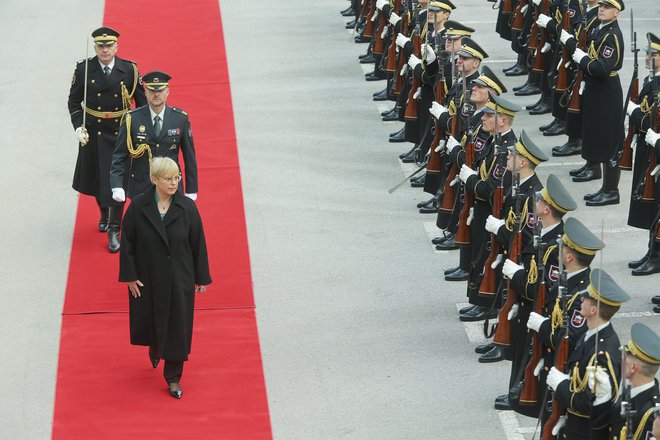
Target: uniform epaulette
<point>83,60</point>
<point>178,110</point>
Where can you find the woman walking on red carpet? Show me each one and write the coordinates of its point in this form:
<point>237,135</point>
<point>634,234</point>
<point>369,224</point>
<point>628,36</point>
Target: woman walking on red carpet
<point>164,261</point>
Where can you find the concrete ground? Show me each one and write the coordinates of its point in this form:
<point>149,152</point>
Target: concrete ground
<point>359,333</point>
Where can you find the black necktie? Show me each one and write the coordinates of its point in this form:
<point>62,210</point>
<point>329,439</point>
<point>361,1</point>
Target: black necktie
<point>157,125</point>
<point>106,69</point>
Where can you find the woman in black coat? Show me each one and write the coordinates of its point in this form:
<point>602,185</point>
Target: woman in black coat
<point>164,261</point>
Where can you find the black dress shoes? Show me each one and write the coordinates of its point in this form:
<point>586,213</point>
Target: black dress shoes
<point>543,108</point>
<point>548,126</point>
<point>506,69</point>
<point>589,173</point>
<point>536,104</point>
<point>428,202</point>
<point>175,390</point>
<point>478,313</point>
<point>656,309</point>
<point>651,266</point>
<point>458,275</point>
<point>402,155</point>
<point>347,12</point>
<point>604,198</point>
<point>452,270</point>
<point>399,136</point>
<point>445,236</point>
<point>520,87</point>
<point>381,96</point>
<point>528,90</point>
<point>361,39</point>
<point>484,348</point>
<point>392,115</point>
<point>494,355</point>
<point>369,59</point>
<point>555,130</point>
<point>503,405</point>
<point>570,148</point>
<point>410,158</point>
<point>364,55</point>
<point>635,264</point>
<point>418,182</point>
<point>656,300</point>
<point>593,195</point>
<point>432,208</point>
<point>153,358</point>
<point>466,309</point>
<point>351,24</point>
<point>517,71</point>
<point>447,245</point>
<point>577,171</point>
<point>374,76</point>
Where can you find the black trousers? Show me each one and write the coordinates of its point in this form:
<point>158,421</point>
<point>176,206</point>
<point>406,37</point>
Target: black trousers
<point>173,371</point>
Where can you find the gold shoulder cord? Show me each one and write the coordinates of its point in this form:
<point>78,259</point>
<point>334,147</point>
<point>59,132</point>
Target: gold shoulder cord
<point>127,98</point>
<point>640,427</point>
<point>141,148</point>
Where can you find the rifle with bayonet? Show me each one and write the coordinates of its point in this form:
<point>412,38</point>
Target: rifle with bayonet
<point>575,102</point>
<point>401,64</point>
<point>391,51</point>
<point>464,217</point>
<point>412,108</point>
<point>624,154</point>
<point>436,151</point>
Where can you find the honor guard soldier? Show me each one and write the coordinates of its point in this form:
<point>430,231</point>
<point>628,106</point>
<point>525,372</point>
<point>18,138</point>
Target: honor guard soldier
<point>602,113</point>
<point>153,130</point>
<point>109,85</point>
<point>600,301</point>
<point>631,416</point>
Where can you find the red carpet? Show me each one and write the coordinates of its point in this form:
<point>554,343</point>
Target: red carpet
<point>106,388</point>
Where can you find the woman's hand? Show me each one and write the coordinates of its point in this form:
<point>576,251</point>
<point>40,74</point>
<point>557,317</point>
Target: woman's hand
<point>134,289</point>
<point>200,288</point>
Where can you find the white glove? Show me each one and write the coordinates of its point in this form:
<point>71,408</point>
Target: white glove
<point>497,262</point>
<point>430,53</point>
<point>582,84</point>
<point>555,377</point>
<point>651,137</point>
<point>539,367</point>
<point>381,3</point>
<point>513,312</point>
<point>465,172</point>
<point>578,55</point>
<point>524,9</point>
<point>565,36</point>
<point>631,108</point>
<point>560,424</point>
<point>418,92</point>
<point>394,19</point>
<point>384,33</point>
<point>413,62</point>
<point>437,109</point>
<point>470,217</point>
<point>118,195</point>
<point>543,20</point>
<point>375,16</point>
<point>191,196</point>
<point>537,2</point>
<point>452,143</point>
<point>535,321</point>
<point>546,48</point>
<point>493,224</point>
<point>82,135</point>
<point>401,40</point>
<point>441,146</point>
<point>404,70</point>
<point>510,268</point>
<point>601,381</point>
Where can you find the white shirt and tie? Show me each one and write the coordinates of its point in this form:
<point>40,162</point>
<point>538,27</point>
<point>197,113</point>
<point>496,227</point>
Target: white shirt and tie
<point>107,68</point>
<point>157,119</point>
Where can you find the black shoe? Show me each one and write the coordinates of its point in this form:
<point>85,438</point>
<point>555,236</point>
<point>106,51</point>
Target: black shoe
<point>656,309</point>
<point>375,76</point>
<point>393,115</point>
<point>369,59</point>
<point>408,153</point>
<point>502,406</point>
<point>536,104</point>
<point>651,266</point>
<point>364,55</point>
<point>459,275</point>
<point>556,130</point>
<point>428,202</point>
<point>351,24</point>
<point>381,96</point>
<point>517,71</point>
<point>452,270</point>
<point>548,126</point>
<point>445,236</point>
<point>466,309</point>
<point>429,209</point>
<point>502,398</point>
<point>542,109</point>
<point>506,69</point>
<point>410,158</point>
<point>593,195</point>
<point>447,245</point>
<point>494,355</point>
<point>656,300</point>
<point>520,87</point>
<point>399,137</point>
<point>577,171</point>
<point>153,358</point>
<point>387,112</point>
<point>478,313</point>
<point>570,148</point>
<point>528,90</point>
<point>635,264</point>
<point>589,173</point>
<point>361,39</point>
<point>113,240</point>
<point>604,198</point>
<point>484,348</point>
<point>175,390</point>
<point>418,183</point>
<point>347,12</point>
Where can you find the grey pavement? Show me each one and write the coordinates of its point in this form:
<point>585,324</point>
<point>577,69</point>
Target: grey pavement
<point>358,330</point>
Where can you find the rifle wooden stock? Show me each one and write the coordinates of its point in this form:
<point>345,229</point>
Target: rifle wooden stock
<point>435,158</point>
<point>463,232</point>
<point>562,72</point>
<point>379,42</point>
<point>518,17</point>
<point>539,58</point>
<point>648,184</point>
<point>412,108</point>
<point>561,357</point>
<point>369,28</point>
<point>399,79</point>
<point>391,51</point>
<point>449,196</point>
<point>627,156</point>
<point>530,391</point>
<point>503,332</point>
<point>575,102</point>
<point>507,6</point>
<point>533,42</point>
<point>488,286</point>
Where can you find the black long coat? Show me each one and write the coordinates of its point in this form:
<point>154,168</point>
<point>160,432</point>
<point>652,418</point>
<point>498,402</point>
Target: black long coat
<point>132,174</point>
<point>92,171</point>
<point>169,257</point>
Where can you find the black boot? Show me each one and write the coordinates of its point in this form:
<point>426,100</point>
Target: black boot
<point>570,148</point>
<point>528,90</point>
<point>577,171</point>
<point>400,136</point>
<point>543,108</point>
<point>557,129</point>
<point>114,225</point>
<point>549,126</point>
<point>410,158</point>
<point>610,189</point>
<point>652,264</point>
<point>591,172</point>
<point>380,96</point>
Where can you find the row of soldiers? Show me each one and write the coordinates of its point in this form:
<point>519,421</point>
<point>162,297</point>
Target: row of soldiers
<point>525,264</point>
<point>116,143</point>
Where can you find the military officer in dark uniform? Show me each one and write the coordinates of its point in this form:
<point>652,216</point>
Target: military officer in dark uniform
<point>600,301</point>
<point>154,130</point>
<point>112,85</point>
<point>641,363</point>
<point>602,113</point>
